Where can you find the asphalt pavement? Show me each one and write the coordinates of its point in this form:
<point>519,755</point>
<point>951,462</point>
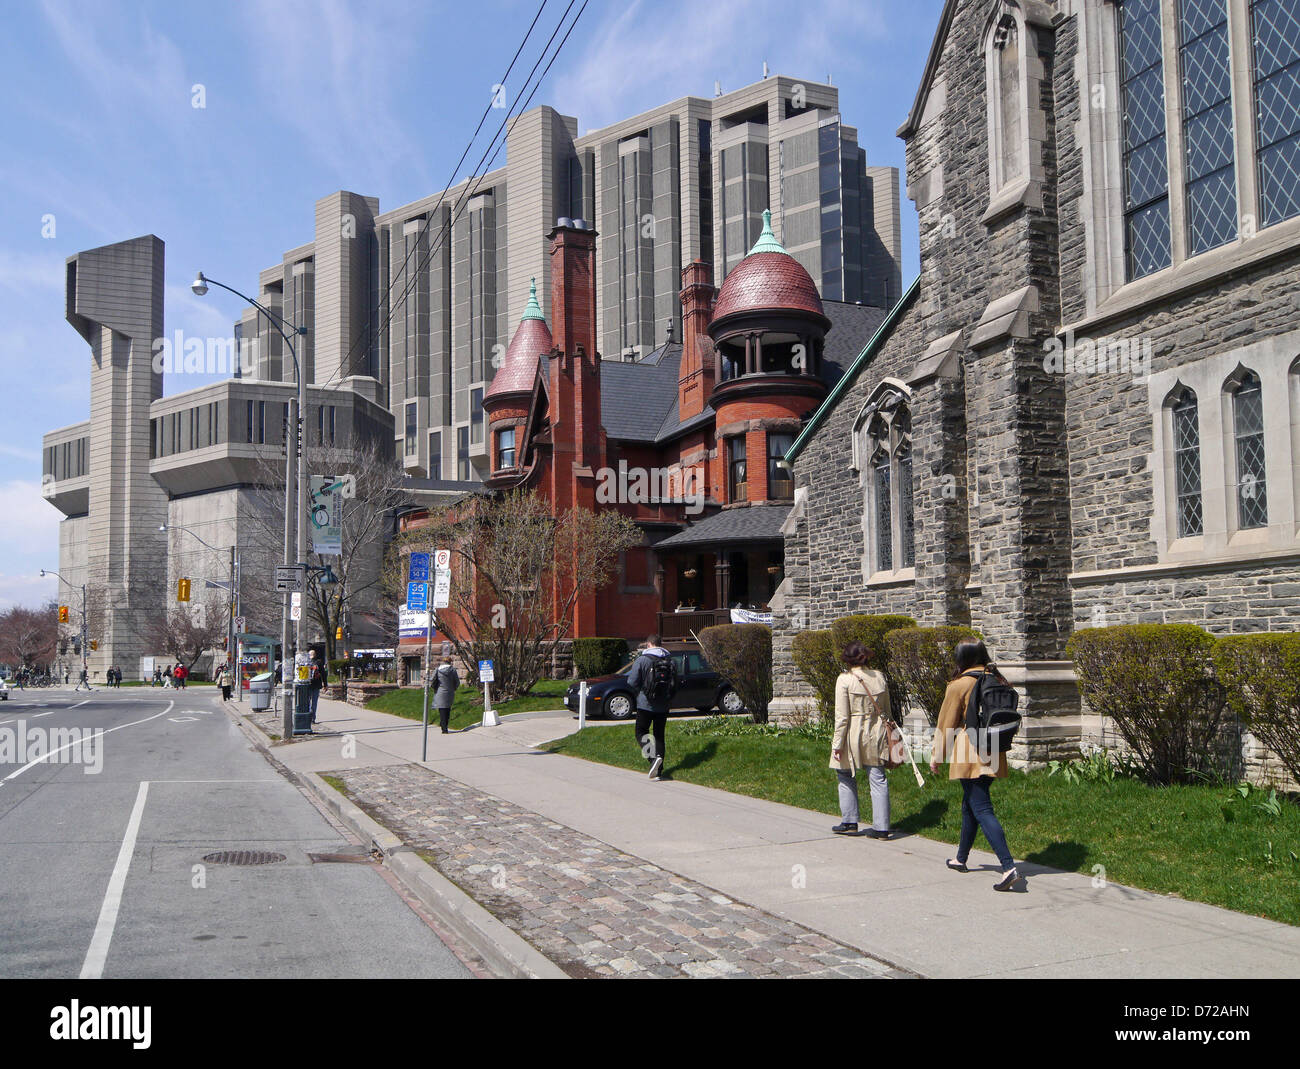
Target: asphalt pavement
<point>110,802</point>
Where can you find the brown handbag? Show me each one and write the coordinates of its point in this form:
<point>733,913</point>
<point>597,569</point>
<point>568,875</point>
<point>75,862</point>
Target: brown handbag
<point>895,748</point>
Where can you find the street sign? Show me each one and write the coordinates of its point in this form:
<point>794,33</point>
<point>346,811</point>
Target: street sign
<point>419,568</point>
<point>287,577</point>
<point>326,504</point>
<point>442,588</point>
<point>442,558</point>
<point>241,625</point>
<point>411,624</point>
<point>417,596</point>
<point>486,672</point>
<point>295,606</point>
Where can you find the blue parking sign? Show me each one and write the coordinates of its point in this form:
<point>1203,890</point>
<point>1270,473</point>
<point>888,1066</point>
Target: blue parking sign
<point>419,568</point>
<point>417,597</point>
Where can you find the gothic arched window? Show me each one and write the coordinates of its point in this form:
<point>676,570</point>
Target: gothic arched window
<point>1187,462</point>
<point>890,520</point>
<point>1248,439</point>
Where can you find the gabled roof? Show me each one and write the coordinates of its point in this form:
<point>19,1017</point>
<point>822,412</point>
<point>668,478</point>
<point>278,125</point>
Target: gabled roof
<point>637,397</point>
<point>851,373</point>
<point>913,119</point>
<point>757,523</point>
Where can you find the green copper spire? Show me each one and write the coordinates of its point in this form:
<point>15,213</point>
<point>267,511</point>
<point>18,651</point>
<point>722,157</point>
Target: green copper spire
<point>767,240</point>
<point>532,310</point>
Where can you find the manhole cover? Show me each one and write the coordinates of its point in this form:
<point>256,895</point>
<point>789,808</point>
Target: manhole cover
<point>243,857</point>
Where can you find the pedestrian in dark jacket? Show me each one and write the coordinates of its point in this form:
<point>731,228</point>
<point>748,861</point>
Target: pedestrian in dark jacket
<point>446,679</point>
<point>317,678</point>
<point>653,701</point>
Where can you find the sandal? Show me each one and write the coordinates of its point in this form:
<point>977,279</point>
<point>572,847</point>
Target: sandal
<point>956,865</point>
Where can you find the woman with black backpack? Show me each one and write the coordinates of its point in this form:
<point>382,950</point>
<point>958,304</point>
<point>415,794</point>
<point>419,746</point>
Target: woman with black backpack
<point>974,770</point>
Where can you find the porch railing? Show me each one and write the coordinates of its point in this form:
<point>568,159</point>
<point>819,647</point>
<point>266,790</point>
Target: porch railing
<point>677,626</point>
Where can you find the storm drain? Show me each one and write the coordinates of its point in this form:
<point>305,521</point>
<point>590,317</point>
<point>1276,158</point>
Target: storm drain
<point>359,856</point>
<point>243,857</point>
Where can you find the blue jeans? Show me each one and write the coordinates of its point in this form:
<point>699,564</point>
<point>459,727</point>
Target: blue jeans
<point>315,700</point>
<point>977,810</point>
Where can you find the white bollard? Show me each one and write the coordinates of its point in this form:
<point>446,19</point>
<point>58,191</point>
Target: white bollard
<point>582,705</point>
<point>490,718</point>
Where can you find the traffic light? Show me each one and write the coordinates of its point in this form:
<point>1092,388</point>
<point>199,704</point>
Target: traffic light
<point>338,632</point>
<point>63,614</point>
<point>183,590</point>
<point>94,644</point>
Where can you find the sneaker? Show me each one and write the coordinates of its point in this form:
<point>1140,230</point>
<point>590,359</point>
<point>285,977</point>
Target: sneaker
<point>655,766</point>
<point>1009,879</point>
<point>872,833</point>
<point>845,829</point>
<point>956,866</point>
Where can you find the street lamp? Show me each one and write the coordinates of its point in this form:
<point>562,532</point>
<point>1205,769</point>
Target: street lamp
<point>231,640</point>
<point>297,414</point>
<point>51,571</point>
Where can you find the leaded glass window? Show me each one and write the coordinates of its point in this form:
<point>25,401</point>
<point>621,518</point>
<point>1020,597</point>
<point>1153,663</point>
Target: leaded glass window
<point>1146,163</point>
<point>1209,154</point>
<point>1187,465</point>
<point>1275,32</point>
<point>906,518</point>
<point>1248,429</point>
<point>884,513</point>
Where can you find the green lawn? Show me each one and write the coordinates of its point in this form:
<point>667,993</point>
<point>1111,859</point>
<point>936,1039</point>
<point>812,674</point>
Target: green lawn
<point>467,707</point>
<point>1205,843</point>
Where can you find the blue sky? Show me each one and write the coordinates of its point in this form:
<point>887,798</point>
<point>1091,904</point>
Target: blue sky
<point>304,97</point>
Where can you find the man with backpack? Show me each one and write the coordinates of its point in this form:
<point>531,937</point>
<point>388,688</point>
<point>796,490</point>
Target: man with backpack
<point>654,678</point>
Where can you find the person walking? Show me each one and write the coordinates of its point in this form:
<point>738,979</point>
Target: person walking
<point>168,680</point>
<point>180,674</point>
<point>446,679</point>
<point>84,681</point>
<point>654,678</point>
<point>66,675</point>
<point>223,681</point>
<point>861,740</point>
<point>968,766</point>
<point>316,679</point>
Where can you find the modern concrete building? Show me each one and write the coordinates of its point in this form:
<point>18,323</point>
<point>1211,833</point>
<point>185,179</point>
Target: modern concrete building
<point>414,307</point>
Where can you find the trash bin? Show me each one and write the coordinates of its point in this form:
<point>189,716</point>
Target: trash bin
<point>301,709</point>
<point>259,692</point>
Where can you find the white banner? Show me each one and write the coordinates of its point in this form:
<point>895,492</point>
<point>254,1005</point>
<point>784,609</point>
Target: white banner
<point>744,616</point>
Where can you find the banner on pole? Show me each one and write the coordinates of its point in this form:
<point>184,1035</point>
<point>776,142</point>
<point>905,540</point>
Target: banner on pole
<point>326,510</point>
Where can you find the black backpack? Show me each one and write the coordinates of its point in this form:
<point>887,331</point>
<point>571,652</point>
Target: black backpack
<point>660,682</point>
<point>991,717</point>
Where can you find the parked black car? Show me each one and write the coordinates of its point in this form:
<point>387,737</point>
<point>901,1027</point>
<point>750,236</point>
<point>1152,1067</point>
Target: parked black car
<point>700,688</point>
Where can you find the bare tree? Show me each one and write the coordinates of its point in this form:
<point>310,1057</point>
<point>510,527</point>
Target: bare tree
<point>29,637</point>
<point>517,573</point>
<point>186,632</point>
<point>374,490</point>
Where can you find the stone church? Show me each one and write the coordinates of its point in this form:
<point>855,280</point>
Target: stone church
<point>1086,410</point>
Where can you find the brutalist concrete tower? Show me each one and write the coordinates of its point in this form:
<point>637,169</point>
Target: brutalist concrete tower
<point>115,301</point>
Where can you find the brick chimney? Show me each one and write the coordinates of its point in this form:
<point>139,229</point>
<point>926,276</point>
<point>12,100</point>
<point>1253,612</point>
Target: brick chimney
<point>695,376</point>
<point>577,437</point>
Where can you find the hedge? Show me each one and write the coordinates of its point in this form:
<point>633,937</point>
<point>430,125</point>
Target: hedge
<point>1261,674</point>
<point>818,661</point>
<point>871,632</point>
<point>742,655</point>
<point>598,656</point>
<point>921,665</point>
<point>1156,683</point>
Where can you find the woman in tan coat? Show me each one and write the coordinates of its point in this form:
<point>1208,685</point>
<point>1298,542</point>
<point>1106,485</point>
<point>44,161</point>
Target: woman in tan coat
<point>969,767</point>
<point>861,741</point>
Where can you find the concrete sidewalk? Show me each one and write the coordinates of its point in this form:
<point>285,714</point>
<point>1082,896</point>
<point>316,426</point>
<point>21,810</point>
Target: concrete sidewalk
<point>894,901</point>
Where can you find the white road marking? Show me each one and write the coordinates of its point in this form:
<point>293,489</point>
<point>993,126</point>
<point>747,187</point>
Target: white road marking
<point>93,967</point>
<point>107,731</point>
<point>183,719</point>
<point>36,717</point>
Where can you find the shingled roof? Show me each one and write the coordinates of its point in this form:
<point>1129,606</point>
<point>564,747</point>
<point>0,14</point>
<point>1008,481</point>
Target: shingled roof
<point>637,397</point>
<point>757,523</point>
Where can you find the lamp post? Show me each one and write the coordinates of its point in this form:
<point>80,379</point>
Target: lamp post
<point>231,646</point>
<point>51,571</point>
<point>297,412</point>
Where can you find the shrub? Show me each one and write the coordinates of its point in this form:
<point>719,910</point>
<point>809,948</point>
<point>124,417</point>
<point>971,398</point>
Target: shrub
<point>742,655</point>
<point>1261,675</point>
<point>1155,682</point>
<point>818,661</point>
<point>871,632</point>
<point>921,665</point>
<point>598,656</point>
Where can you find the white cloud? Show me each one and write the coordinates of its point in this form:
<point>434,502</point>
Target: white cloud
<point>688,46</point>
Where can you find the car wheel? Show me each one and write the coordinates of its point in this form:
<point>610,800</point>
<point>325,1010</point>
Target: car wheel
<point>729,702</point>
<point>620,707</point>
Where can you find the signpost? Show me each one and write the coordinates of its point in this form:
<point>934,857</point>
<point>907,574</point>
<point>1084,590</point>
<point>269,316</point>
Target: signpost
<point>487,673</point>
<point>287,577</point>
<point>418,585</point>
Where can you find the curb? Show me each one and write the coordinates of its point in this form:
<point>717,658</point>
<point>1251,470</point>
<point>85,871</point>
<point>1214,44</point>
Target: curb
<point>508,954</point>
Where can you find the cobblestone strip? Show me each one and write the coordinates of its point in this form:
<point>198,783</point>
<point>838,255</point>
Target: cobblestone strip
<point>592,909</point>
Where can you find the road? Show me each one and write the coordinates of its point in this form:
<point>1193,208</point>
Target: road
<point>102,848</point>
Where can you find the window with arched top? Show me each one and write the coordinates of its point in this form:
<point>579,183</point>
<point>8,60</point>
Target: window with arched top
<point>1187,462</point>
<point>1250,484</point>
<point>889,520</point>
